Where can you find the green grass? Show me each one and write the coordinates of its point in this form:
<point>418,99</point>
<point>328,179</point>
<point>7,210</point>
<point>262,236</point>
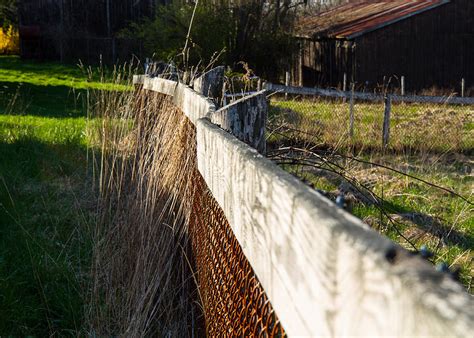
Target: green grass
<point>424,215</point>
<point>424,127</point>
<point>423,145</point>
<point>46,201</point>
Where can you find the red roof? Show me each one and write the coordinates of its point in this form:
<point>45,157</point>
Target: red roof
<point>359,17</point>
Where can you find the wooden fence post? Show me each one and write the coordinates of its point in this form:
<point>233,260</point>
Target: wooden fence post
<point>351,113</point>
<point>463,87</point>
<point>224,98</point>
<point>386,121</point>
<point>287,83</point>
<point>210,83</point>
<point>344,87</point>
<point>403,85</point>
<point>246,119</point>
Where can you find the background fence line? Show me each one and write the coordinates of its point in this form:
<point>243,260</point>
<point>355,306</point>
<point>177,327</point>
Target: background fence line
<point>368,96</point>
<point>325,272</point>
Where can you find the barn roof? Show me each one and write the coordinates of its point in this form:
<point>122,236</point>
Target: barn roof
<point>359,17</point>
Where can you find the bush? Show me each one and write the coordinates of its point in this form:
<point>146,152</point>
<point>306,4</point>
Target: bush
<point>248,32</point>
<point>9,41</point>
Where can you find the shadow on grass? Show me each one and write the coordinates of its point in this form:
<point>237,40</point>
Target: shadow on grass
<point>447,234</point>
<point>45,101</point>
<point>45,248</point>
<point>14,63</point>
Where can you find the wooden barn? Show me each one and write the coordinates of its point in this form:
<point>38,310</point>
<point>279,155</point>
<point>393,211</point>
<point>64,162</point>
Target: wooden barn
<point>430,43</point>
<point>80,29</point>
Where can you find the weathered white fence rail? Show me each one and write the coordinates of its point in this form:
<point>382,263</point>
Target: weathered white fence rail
<point>368,96</point>
<point>326,273</point>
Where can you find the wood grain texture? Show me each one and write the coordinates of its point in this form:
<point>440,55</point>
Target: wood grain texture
<point>160,85</point>
<point>210,84</point>
<point>245,119</point>
<point>138,79</point>
<point>368,96</point>
<point>193,104</point>
<point>325,272</point>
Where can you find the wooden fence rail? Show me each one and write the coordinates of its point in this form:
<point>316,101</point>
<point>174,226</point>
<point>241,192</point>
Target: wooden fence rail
<point>368,96</point>
<point>326,273</point>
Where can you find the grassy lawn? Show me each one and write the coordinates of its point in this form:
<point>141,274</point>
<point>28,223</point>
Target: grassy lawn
<point>425,127</point>
<point>425,145</point>
<point>46,198</point>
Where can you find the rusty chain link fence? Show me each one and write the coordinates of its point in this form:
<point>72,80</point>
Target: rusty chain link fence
<point>234,302</point>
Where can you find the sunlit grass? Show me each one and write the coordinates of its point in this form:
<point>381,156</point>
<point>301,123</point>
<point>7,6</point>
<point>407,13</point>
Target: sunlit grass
<point>412,126</point>
<point>15,70</point>
<point>431,142</point>
<point>46,200</point>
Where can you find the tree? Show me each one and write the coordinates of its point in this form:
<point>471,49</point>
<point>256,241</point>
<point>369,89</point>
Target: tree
<point>254,31</point>
<point>8,13</point>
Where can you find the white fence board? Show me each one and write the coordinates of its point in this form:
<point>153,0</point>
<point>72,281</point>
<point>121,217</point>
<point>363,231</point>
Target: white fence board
<point>326,273</point>
<point>368,96</point>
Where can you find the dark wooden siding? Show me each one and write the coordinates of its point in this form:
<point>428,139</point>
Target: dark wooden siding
<point>434,48</point>
<point>80,29</point>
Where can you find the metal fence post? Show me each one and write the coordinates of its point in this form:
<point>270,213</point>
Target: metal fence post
<point>386,121</point>
<point>351,112</point>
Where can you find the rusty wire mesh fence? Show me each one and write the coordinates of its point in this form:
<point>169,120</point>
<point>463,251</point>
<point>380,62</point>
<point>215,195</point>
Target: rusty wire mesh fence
<point>234,302</point>
<point>342,123</point>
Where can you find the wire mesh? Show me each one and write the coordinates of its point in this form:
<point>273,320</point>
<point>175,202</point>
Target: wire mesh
<point>391,159</point>
<point>234,302</point>
<point>342,123</point>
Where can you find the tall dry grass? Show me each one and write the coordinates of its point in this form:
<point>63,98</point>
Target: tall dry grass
<point>143,283</point>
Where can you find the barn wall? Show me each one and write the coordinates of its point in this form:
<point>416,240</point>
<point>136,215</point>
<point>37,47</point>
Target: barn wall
<point>434,48</point>
<point>79,29</point>
<point>324,62</point>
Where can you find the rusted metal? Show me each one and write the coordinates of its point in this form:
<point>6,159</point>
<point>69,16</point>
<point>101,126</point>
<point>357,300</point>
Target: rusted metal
<point>358,17</point>
<point>234,302</point>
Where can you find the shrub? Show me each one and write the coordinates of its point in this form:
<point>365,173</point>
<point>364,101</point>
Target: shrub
<point>9,41</point>
<point>247,32</point>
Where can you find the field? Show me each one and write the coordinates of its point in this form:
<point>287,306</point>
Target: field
<point>418,127</point>
<point>418,191</point>
<point>47,202</point>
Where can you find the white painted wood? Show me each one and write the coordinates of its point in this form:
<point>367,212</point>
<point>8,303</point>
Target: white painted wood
<point>193,104</point>
<point>138,79</point>
<point>368,96</point>
<point>403,86</point>
<point>245,119</point>
<point>351,112</point>
<point>325,272</point>
<point>210,84</point>
<point>160,85</point>
<point>386,122</point>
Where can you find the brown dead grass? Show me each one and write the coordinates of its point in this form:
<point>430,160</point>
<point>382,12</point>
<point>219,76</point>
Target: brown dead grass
<point>143,284</point>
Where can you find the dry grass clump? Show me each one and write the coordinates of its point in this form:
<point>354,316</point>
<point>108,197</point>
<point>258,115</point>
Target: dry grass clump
<point>143,284</point>
<point>433,130</point>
